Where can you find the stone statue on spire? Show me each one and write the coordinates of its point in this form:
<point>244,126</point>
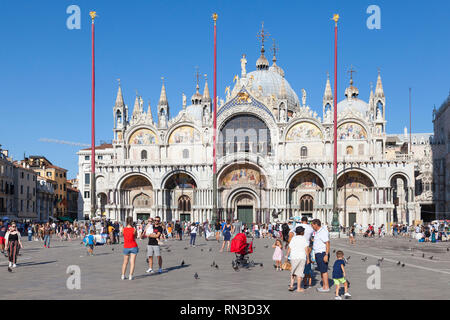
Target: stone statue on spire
<point>304,97</point>
<point>243,66</point>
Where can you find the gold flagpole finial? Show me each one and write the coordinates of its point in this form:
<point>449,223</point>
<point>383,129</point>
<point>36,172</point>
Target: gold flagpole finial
<point>93,15</point>
<point>215,16</point>
<point>336,18</point>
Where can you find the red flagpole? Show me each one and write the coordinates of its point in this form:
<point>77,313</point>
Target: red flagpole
<point>93,196</point>
<point>335,98</point>
<point>215,94</point>
<point>214,218</point>
<point>335,222</point>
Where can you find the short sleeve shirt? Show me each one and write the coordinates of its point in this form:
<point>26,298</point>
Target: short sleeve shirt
<point>337,269</point>
<point>320,238</point>
<point>298,245</point>
<point>308,231</point>
<point>154,241</point>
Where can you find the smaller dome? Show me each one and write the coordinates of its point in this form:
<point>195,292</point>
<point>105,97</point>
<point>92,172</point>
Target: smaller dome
<point>196,97</point>
<point>195,111</point>
<point>262,63</point>
<point>353,104</point>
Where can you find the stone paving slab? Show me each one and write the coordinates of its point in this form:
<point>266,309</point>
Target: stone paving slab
<point>41,273</point>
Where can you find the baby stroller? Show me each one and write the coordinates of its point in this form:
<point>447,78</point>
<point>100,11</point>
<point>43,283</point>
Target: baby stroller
<point>241,249</point>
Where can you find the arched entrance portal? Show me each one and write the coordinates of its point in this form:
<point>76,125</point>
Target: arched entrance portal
<point>303,190</point>
<point>179,190</point>
<point>244,205</point>
<point>241,188</point>
<point>136,197</point>
<point>353,186</point>
<point>399,185</point>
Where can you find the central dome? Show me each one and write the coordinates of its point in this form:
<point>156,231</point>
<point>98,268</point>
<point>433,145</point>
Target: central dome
<point>271,83</point>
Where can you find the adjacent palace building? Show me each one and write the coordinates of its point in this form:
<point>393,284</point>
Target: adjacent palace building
<point>274,157</point>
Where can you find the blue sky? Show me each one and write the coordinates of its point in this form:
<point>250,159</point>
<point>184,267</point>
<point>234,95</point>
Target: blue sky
<point>45,68</point>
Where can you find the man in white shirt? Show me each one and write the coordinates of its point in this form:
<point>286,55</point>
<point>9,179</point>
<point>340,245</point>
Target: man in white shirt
<point>308,229</point>
<point>298,252</point>
<point>321,246</point>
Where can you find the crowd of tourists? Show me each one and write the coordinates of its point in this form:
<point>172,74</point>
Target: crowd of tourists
<point>298,245</point>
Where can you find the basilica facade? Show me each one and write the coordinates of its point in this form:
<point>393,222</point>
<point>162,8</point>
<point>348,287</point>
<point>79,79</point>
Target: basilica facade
<point>274,157</point>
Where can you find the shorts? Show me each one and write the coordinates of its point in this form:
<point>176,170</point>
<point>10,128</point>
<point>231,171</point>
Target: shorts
<point>2,240</point>
<point>297,267</point>
<point>339,281</point>
<point>308,269</point>
<point>128,251</point>
<point>321,265</point>
<point>153,251</point>
<point>91,246</point>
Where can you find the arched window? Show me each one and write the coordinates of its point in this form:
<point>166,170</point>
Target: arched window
<point>243,131</point>
<point>143,155</point>
<point>379,113</point>
<point>304,152</point>
<point>184,203</point>
<point>306,203</point>
<point>118,117</point>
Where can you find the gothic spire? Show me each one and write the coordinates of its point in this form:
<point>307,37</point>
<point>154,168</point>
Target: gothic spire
<point>119,98</point>
<point>206,97</point>
<point>379,92</point>
<point>163,96</point>
<point>137,108</point>
<point>328,94</point>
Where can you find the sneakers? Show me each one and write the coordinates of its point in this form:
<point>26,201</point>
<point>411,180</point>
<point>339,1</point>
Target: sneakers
<point>10,264</point>
<point>160,270</point>
<point>149,271</point>
<point>14,265</point>
<point>348,295</point>
<point>122,277</point>
<point>323,290</point>
<point>338,298</point>
<point>130,277</point>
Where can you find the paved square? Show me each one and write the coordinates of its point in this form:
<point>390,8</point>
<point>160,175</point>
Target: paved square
<point>41,273</point>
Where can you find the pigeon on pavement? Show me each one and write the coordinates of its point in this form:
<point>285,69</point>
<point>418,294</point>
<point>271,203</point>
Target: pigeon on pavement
<point>399,263</point>
<point>196,276</point>
<point>182,263</point>
<point>364,259</point>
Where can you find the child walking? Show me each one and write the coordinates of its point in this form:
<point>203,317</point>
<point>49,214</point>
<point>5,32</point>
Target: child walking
<point>278,254</point>
<point>89,242</point>
<point>339,275</point>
